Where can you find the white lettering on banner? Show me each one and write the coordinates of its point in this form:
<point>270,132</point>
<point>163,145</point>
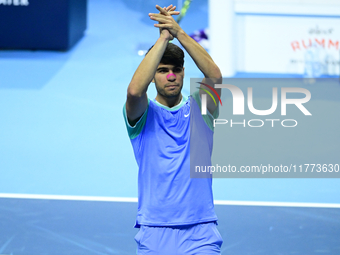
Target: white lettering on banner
<point>14,2</point>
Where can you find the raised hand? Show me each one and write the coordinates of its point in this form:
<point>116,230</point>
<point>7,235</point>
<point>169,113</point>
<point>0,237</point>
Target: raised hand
<point>171,9</point>
<point>166,23</point>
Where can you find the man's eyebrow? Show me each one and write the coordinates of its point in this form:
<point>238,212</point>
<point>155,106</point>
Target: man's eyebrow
<point>162,68</point>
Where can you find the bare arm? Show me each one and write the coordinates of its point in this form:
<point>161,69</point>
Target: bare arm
<point>137,101</point>
<point>207,66</point>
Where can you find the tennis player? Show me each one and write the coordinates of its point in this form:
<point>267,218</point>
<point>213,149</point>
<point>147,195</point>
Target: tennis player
<point>175,212</point>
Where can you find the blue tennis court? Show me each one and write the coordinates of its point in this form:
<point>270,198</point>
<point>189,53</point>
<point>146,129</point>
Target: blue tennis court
<point>57,226</point>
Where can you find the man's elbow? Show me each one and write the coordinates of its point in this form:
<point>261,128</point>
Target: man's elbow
<point>215,74</point>
<point>134,92</point>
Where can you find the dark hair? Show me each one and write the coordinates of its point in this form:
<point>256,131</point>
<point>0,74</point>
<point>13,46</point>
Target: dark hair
<point>173,55</point>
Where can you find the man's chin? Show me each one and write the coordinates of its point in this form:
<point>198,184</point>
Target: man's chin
<point>170,93</point>
<point>173,94</point>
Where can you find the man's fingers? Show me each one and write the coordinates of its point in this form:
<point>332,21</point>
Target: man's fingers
<point>159,19</point>
<point>162,18</point>
<point>155,15</point>
<point>162,11</point>
<point>163,25</point>
<point>158,15</point>
<point>169,8</point>
<point>174,13</point>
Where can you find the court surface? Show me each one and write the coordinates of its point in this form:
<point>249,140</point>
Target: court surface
<point>56,226</point>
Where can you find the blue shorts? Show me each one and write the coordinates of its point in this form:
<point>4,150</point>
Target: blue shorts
<point>198,239</point>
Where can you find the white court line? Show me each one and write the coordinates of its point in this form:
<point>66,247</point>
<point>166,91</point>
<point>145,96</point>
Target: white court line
<point>282,204</point>
<point>79,198</point>
<point>133,199</point>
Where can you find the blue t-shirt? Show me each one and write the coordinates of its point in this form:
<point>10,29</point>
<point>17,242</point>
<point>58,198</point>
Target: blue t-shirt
<point>162,141</point>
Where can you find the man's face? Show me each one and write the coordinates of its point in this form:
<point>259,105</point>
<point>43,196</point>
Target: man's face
<point>169,80</point>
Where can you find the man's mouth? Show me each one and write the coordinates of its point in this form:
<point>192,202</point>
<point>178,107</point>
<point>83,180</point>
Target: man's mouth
<point>172,86</point>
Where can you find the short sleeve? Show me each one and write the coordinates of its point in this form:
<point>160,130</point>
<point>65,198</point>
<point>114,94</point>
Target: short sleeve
<point>135,130</point>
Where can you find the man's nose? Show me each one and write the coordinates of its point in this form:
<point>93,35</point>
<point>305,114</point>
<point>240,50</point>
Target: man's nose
<point>171,76</point>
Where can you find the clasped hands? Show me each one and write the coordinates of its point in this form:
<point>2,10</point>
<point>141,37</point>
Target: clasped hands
<point>168,27</point>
